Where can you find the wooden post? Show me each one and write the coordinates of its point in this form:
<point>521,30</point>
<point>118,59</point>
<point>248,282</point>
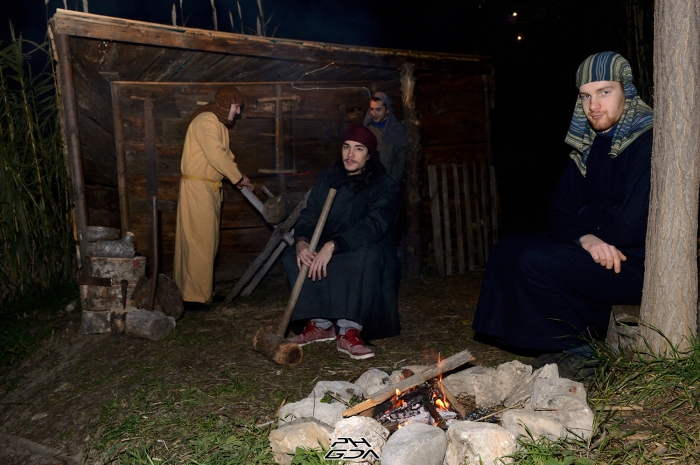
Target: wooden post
<point>468,214</point>
<point>121,159</point>
<point>494,204</point>
<point>413,203</point>
<point>458,216</point>
<point>446,214</point>
<point>479,235</point>
<point>485,210</point>
<point>70,119</point>
<point>488,82</point>
<point>279,152</point>
<point>435,212</point>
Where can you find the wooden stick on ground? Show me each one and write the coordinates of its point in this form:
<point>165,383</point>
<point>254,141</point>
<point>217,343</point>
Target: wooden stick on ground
<point>378,397</point>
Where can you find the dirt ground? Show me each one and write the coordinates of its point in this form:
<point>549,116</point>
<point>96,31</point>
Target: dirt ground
<point>55,398</point>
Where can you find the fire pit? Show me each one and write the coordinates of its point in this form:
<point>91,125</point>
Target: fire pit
<point>426,403</point>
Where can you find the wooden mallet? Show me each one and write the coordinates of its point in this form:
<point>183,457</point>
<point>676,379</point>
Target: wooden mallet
<point>273,345</point>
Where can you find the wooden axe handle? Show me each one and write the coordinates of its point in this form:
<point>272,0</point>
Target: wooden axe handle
<point>305,268</point>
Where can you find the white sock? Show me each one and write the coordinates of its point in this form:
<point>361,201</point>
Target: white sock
<point>322,323</point>
<point>344,325</point>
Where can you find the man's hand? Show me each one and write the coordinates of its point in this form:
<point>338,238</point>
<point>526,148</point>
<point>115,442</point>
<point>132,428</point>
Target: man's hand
<point>304,255</point>
<point>605,254</point>
<point>320,261</point>
<point>245,182</point>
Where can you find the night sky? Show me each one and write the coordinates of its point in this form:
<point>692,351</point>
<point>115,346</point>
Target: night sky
<point>535,91</point>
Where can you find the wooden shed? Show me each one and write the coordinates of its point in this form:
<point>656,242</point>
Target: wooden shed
<point>108,69</point>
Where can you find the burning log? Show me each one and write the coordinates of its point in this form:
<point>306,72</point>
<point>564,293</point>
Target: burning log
<point>428,403</point>
<point>378,397</point>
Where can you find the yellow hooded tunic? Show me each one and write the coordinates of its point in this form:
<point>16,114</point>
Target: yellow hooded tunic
<point>206,159</point>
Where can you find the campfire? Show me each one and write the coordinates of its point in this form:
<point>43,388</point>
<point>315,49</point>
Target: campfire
<point>426,403</point>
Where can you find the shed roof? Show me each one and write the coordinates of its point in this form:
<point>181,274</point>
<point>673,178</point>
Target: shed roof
<point>140,51</point>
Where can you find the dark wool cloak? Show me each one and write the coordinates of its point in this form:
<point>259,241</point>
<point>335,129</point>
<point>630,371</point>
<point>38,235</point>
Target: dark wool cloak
<point>363,274</point>
<point>544,291</point>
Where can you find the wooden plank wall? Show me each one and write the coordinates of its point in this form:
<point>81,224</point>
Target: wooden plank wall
<point>463,212</point>
<point>319,117</point>
<point>96,127</point>
<point>454,136</point>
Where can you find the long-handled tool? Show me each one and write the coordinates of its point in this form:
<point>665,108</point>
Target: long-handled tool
<point>273,345</point>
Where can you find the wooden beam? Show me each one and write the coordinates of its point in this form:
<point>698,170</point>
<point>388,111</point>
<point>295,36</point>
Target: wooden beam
<point>118,29</point>
<point>70,120</point>
<point>413,201</point>
<point>121,160</point>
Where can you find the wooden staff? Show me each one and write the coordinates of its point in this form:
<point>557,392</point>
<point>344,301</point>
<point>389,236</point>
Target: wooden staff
<point>273,345</point>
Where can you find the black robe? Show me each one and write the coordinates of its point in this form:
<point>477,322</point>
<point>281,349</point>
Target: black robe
<point>544,291</point>
<point>363,273</point>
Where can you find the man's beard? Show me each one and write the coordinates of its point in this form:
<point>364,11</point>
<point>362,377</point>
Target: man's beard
<point>352,172</point>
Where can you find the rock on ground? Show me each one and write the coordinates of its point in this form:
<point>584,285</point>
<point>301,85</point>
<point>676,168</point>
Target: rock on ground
<point>462,382</point>
<point>415,444</point>
<point>521,393</point>
<point>312,408</point>
<point>308,433</point>
<point>469,442</point>
<point>341,389</point>
<point>489,386</point>
<point>539,425</point>
<point>373,380</point>
<point>357,434</point>
<point>545,389</point>
<point>574,414</point>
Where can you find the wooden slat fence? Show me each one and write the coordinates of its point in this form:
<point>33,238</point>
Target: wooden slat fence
<point>464,210</point>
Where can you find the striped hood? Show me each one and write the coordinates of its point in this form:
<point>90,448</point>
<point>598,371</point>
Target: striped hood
<point>637,117</point>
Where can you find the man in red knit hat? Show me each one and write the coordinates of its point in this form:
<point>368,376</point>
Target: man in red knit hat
<point>353,278</point>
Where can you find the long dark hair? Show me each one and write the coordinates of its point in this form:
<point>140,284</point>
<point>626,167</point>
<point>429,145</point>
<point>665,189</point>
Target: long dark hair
<point>338,175</point>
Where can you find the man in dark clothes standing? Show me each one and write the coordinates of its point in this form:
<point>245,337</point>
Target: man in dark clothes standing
<point>353,278</point>
<point>546,291</point>
<point>392,141</point>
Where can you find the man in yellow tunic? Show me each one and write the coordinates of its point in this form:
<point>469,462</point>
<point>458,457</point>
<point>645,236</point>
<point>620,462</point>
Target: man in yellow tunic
<point>206,160</point>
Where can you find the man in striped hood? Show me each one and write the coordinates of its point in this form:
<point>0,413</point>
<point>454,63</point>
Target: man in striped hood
<point>554,291</point>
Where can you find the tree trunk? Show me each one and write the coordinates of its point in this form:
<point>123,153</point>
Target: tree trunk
<point>670,283</point>
<point>413,202</point>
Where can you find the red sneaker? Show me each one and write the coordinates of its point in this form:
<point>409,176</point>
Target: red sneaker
<point>313,333</point>
<point>351,343</point>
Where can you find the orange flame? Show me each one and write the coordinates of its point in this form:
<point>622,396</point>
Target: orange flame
<point>442,404</point>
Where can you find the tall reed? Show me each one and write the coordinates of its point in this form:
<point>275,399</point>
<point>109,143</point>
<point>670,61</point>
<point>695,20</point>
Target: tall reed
<point>36,245</point>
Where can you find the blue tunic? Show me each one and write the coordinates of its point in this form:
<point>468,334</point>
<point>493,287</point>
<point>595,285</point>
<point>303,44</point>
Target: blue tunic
<point>544,291</point>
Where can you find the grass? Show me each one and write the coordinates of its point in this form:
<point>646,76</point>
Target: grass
<point>166,423</point>
<point>29,318</point>
<point>661,427</point>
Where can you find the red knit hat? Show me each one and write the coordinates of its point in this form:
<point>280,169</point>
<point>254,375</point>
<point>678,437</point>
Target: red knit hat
<point>361,134</point>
